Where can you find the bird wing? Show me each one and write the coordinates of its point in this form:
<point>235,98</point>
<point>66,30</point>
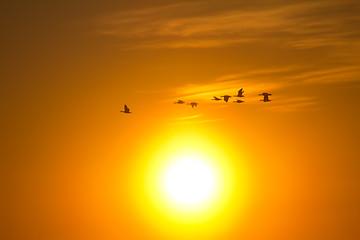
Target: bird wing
<point>126,108</point>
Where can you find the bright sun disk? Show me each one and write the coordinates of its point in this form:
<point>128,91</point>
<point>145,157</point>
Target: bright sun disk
<point>189,181</point>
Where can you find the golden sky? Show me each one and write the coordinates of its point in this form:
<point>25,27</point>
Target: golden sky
<point>74,167</point>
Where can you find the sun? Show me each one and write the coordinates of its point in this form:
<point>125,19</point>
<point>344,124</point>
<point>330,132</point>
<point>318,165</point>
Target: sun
<point>189,180</point>
<point>188,184</point>
<point>189,177</point>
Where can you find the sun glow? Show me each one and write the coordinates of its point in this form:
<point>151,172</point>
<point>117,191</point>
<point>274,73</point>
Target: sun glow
<point>189,180</point>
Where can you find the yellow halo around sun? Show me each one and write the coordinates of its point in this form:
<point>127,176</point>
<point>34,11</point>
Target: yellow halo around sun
<point>189,178</point>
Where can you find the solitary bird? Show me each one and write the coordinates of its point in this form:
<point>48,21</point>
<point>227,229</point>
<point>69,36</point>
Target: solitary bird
<point>179,102</point>
<point>238,101</point>
<point>266,97</point>
<point>240,93</point>
<point>216,98</point>
<point>226,98</point>
<point>193,104</point>
<point>126,109</point>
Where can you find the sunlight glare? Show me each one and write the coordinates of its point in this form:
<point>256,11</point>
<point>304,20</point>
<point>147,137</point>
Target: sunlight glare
<point>189,181</point>
<point>188,178</point>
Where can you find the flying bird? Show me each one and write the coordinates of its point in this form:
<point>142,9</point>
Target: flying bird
<point>193,104</point>
<point>266,97</point>
<point>216,98</point>
<point>179,102</point>
<point>126,109</point>
<point>238,101</point>
<point>226,98</point>
<point>240,93</point>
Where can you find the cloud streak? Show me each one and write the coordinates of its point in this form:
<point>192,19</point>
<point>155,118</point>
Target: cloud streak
<point>270,80</point>
<point>192,25</point>
<point>327,32</point>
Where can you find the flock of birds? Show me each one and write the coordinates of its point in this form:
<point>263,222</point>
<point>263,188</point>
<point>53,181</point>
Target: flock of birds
<point>225,98</point>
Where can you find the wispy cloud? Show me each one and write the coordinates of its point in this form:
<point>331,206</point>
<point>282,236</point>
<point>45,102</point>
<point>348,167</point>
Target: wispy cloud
<point>192,25</point>
<point>289,104</point>
<point>270,80</point>
<point>199,121</point>
<point>194,119</point>
<point>188,117</point>
<point>329,31</point>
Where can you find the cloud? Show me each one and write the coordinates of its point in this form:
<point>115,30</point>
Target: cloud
<point>194,119</point>
<point>197,25</point>
<point>327,32</point>
<point>188,117</point>
<point>270,80</point>
<point>290,104</point>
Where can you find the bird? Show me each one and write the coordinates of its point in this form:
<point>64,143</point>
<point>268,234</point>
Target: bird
<point>238,101</point>
<point>240,93</point>
<point>226,98</point>
<point>266,97</point>
<point>179,102</point>
<point>193,104</point>
<point>126,109</point>
<point>216,98</point>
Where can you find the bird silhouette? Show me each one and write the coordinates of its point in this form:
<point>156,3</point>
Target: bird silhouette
<point>266,97</point>
<point>179,102</point>
<point>216,98</point>
<point>240,93</point>
<point>226,98</point>
<point>238,101</point>
<point>126,109</point>
<point>193,104</point>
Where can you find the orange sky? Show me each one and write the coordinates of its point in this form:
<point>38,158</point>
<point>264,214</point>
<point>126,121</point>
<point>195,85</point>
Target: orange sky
<point>73,166</point>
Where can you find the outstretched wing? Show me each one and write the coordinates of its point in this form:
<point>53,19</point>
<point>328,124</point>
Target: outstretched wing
<point>126,108</point>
